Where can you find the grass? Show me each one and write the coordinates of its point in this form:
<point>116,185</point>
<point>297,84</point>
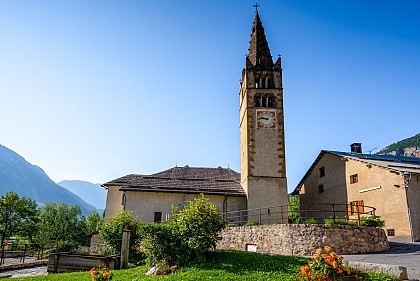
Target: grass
<point>220,265</point>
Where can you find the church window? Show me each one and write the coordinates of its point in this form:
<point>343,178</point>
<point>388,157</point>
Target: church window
<point>158,217</point>
<point>321,188</point>
<point>354,178</point>
<point>322,172</point>
<point>257,83</point>
<point>264,101</point>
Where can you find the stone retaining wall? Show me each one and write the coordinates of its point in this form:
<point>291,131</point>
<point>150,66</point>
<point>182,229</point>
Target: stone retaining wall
<point>303,239</point>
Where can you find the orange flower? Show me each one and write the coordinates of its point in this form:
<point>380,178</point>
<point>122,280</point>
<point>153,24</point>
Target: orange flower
<point>319,251</point>
<point>348,272</point>
<point>340,257</point>
<point>333,254</point>
<point>93,271</point>
<point>316,256</point>
<point>340,270</point>
<point>324,256</point>
<point>105,274</point>
<point>327,248</point>
<point>304,269</point>
<point>335,264</point>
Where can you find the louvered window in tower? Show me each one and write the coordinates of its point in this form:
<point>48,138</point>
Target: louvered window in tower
<point>266,100</point>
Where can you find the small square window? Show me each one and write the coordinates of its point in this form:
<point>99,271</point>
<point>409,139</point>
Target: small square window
<point>390,232</point>
<point>354,178</point>
<point>322,172</point>
<point>158,217</point>
<point>321,188</point>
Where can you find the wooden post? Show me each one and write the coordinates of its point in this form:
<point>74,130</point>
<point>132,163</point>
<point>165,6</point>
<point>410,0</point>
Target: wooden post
<point>125,249</point>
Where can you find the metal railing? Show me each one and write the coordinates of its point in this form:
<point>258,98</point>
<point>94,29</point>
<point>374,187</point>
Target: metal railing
<point>304,213</point>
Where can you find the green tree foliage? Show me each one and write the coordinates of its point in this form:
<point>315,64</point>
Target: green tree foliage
<point>111,231</point>
<point>18,216</point>
<point>187,237</point>
<point>163,246</point>
<point>374,221</point>
<point>294,208</point>
<point>94,221</point>
<point>63,224</point>
<point>410,142</point>
<point>199,224</point>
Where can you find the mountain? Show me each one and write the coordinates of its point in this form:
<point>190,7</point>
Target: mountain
<point>25,179</point>
<point>407,147</point>
<point>92,193</point>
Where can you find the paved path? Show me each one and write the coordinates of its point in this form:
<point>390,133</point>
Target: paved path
<point>403,254</point>
<point>32,271</point>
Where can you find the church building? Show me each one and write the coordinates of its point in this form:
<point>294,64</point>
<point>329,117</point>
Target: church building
<point>259,191</point>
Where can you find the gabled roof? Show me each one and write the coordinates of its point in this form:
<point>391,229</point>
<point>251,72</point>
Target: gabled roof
<point>217,181</point>
<point>395,163</point>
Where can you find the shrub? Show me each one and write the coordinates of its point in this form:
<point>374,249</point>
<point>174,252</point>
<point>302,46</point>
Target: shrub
<point>325,265</point>
<point>339,221</point>
<point>310,221</point>
<point>187,237</point>
<point>162,245</point>
<point>251,223</point>
<point>374,221</point>
<point>111,231</point>
<point>199,224</point>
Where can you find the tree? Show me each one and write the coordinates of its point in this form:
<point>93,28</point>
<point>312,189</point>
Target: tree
<point>187,237</point>
<point>294,208</point>
<point>94,221</point>
<point>111,231</point>
<point>18,216</point>
<point>199,223</point>
<point>62,224</point>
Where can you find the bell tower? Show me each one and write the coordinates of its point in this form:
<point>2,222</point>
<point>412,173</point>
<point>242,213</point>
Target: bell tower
<point>263,164</point>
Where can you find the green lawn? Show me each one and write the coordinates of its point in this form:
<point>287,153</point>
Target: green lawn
<point>221,265</point>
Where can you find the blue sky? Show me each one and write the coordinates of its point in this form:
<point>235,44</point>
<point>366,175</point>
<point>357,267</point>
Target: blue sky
<point>94,90</point>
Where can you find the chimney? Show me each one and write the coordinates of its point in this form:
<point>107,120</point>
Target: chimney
<point>356,147</point>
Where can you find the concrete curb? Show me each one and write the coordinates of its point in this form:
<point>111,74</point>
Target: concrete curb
<point>23,265</point>
<point>392,270</point>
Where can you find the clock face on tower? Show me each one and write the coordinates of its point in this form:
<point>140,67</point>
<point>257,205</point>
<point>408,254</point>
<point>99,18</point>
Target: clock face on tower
<point>266,119</point>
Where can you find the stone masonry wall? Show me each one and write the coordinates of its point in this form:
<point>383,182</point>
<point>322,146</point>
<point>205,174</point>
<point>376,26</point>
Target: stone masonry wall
<point>303,239</point>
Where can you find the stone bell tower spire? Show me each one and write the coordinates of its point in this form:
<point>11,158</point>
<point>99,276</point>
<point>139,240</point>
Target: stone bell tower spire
<point>263,164</point>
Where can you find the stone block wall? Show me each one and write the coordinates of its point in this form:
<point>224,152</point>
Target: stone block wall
<point>303,239</point>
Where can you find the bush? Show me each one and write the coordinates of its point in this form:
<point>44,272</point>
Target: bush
<point>111,231</point>
<point>311,221</point>
<point>187,237</point>
<point>325,265</point>
<point>251,223</point>
<point>162,245</point>
<point>339,221</point>
<point>199,224</point>
<point>374,221</point>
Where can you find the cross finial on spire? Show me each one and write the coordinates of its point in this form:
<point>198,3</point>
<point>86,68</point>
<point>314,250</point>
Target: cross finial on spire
<point>256,6</point>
